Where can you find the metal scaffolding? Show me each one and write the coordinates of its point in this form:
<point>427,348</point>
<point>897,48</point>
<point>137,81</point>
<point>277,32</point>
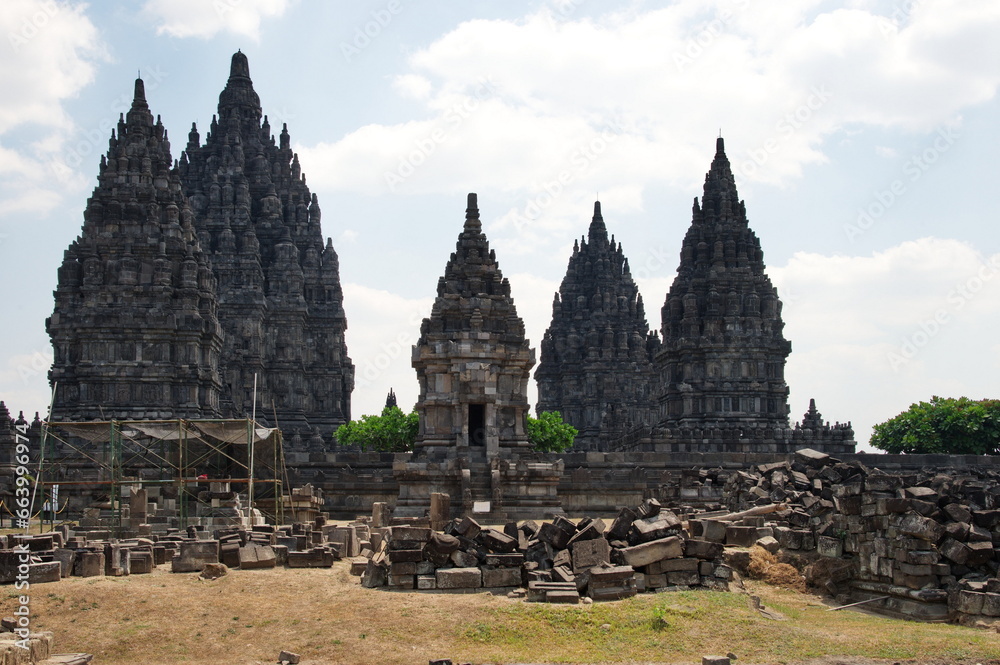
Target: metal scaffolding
<point>182,453</point>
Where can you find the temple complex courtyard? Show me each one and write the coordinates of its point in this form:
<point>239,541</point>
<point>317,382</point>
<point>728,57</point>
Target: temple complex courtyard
<point>325,615</point>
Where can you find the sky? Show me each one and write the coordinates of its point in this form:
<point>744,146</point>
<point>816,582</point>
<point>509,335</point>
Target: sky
<point>863,135</point>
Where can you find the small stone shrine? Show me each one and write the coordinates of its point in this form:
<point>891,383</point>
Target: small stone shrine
<point>473,364</point>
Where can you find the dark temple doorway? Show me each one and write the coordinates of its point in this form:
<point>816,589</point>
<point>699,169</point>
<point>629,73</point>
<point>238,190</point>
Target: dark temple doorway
<point>477,424</point>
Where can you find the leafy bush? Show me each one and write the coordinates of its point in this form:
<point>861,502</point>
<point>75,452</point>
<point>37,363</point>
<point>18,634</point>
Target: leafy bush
<point>549,434</point>
<point>944,425</point>
<point>393,431</point>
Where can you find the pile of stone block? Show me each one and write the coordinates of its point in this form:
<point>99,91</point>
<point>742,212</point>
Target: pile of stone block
<point>52,556</point>
<point>645,548</point>
<point>35,648</point>
<point>926,540</point>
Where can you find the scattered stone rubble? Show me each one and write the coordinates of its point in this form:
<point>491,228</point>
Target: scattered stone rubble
<point>918,545</point>
<point>63,552</point>
<point>36,649</point>
<point>926,540</point>
<point>646,548</point>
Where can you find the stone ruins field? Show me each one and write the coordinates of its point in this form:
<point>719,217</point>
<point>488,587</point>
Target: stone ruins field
<point>327,617</point>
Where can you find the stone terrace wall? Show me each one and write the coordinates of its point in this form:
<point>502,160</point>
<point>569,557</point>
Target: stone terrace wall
<point>593,484</point>
<point>597,484</point>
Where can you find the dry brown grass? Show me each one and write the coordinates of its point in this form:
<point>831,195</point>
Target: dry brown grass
<point>765,566</point>
<point>248,616</point>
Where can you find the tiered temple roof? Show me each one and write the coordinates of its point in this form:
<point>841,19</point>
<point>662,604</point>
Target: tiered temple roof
<point>135,332</point>
<point>280,299</point>
<point>596,364</point>
<point>194,283</point>
<point>723,355</point>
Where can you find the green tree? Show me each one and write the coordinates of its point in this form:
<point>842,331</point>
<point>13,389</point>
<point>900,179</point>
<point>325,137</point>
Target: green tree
<point>549,434</point>
<point>944,425</point>
<point>393,431</point>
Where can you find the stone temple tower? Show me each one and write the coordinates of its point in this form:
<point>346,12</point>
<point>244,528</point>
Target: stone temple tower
<point>135,332</point>
<point>280,299</point>
<point>597,355</point>
<point>723,355</point>
<point>473,364</point>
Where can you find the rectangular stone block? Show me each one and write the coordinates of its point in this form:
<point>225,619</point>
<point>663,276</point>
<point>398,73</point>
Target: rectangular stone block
<point>140,562</point>
<point>651,552</point>
<point>661,525</point>
<point>89,564</point>
<point>612,593</point>
<point>623,523</point>
<point>459,578</point>
<point>710,530</point>
<point>45,571</point>
<point>921,527</point>
<point>513,560</point>
<point>966,602</point>
<point>672,565</point>
<point>991,604</point>
<point>829,547</point>
<point>426,582</point>
<point>401,581</point>
<point>358,565</point>
<point>400,556</point>
<point>554,536</point>
<point>403,568</point>
<point>501,577</point>
<point>589,553</point>
<point>684,577</point>
<point>410,533</point>
<point>703,549</point>
<point>256,556</point>
<point>614,576</point>
<point>497,541</point>
<point>562,597</point>
<point>194,554</point>
<point>67,558</point>
<point>740,536</point>
<point>315,558</point>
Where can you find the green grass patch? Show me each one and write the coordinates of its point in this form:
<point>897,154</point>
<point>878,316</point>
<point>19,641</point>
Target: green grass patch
<point>680,626</point>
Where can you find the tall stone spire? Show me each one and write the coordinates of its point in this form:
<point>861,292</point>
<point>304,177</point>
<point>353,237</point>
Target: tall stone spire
<point>135,332</point>
<point>596,364</point>
<point>280,298</point>
<point>723,355</point>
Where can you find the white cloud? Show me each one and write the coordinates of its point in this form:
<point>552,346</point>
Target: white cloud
<point>885,151</point>
<point>52,52</point>
<point>412,86</point>
<point>870,335</point>
<point>781,78</point>
<point>382,327</point>
<point>206,18</point>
